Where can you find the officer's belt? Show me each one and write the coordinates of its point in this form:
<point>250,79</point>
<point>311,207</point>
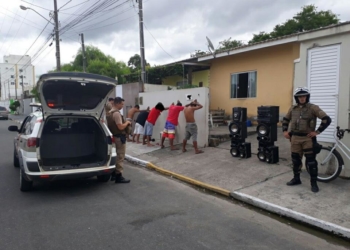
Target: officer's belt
<point>119,135</point>
<point>299,134</point>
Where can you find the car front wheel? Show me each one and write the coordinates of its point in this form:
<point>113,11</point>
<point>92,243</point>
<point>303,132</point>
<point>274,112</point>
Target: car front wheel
<point>24,184</point>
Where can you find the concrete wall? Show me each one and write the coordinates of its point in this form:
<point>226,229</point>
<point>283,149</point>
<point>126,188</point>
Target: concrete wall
<point>155,87</point>
<point>130,92</point>
<point>201,76</point>
<point>274,68</point>
<point>167,97</point>
<point>344,79</point>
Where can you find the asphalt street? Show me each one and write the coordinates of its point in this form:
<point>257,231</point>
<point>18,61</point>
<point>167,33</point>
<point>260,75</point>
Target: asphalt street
<point>152,212</point>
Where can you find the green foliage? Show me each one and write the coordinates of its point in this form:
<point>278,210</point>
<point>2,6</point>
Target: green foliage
<point>13,107</point>
<point>262,36</point>
<point>156,74</point>
<point>228,44</point>
<point>35,92</point>
<point>307,19</point>
<point>198,53</point>
<point>134,63</point>
<point>97,63</point>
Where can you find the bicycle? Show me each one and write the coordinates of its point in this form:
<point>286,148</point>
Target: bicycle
<point>330,161</point>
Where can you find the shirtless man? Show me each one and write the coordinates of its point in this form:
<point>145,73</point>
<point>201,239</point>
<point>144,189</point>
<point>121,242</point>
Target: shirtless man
<point>191,126</point>
<point>130,117</point>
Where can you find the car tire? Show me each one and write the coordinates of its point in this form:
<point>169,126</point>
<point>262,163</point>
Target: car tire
<point>25,185</point>
<point>103,178</point>
<point>15,159</point>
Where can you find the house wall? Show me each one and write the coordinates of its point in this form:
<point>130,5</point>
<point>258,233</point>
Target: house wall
<point>201,76</point>
<point>167,97</point>
<point>172,80</point>
<point>274,68</point>
<point>344,80</point>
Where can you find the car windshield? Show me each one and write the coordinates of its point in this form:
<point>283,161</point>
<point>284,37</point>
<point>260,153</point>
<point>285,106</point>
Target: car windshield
<point>2,109</point>
<point>72,95</point>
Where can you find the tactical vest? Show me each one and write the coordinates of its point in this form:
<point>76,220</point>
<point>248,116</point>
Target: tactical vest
<point>303,120</point>
<point>112,126</point>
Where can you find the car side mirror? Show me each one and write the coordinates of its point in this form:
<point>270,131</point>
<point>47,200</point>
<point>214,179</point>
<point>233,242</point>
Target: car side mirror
<point>13,128</point>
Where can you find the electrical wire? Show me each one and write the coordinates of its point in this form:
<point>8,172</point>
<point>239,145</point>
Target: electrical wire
<point>153,36</point>
<point>36,6</point>
<point>28,48</point>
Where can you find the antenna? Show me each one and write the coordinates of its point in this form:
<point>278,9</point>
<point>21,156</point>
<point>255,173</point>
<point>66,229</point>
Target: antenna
<point>211,46</point>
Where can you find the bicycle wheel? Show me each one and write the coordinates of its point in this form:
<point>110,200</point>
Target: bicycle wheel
<point>329,164</point>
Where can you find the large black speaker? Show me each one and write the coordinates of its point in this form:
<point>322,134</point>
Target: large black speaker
<point>268,154</point>
<point>241,149</point>
<point>268,117</point>
<point>268,114</point>
<point>238,133</point>
<point>238,130</point>
<point>267,132</point>
<point>239,114</point>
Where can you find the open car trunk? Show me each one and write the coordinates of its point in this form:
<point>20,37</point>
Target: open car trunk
<point>72,142</point>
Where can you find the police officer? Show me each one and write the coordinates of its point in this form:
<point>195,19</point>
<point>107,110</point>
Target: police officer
<point>118,127</point>
<point>302,118</point>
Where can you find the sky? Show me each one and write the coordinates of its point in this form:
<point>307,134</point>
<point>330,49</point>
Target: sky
<point>173,29</point>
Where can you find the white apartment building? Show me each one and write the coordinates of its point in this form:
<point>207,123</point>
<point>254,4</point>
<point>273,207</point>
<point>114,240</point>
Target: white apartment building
<point>15,70</point>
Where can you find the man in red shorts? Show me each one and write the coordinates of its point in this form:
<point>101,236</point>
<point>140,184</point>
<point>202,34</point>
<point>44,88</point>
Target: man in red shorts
<point>171,123</point>
<point>151,121</point>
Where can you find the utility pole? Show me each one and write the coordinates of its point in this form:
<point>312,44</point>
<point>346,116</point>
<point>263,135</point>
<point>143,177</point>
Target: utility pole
<point>22,87</point>
<point>142,46</point>
<point>83,51</point>
<point>16,81</point>
<point>58,56</point>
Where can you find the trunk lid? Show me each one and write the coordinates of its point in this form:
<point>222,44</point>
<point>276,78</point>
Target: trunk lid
<point>68,93</point>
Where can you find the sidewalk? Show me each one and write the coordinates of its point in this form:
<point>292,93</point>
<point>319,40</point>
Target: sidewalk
<point>254,182</point>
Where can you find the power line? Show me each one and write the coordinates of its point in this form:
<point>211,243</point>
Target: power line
<point>76,5</point>
<point>154,37</point>
<point>28,48</point>
<point>36,6</point>
<point>16,32</point>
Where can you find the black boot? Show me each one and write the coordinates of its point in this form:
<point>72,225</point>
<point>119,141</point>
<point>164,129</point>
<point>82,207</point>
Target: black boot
<point>120,179</point>
<point>113,176</point>
<point>314,187</point>
<point>313,174</point>
<point>295,181</point>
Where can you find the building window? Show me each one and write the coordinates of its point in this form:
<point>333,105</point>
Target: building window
<point>12,76</point>
<point>12,83</point>
<point>243,85</point>
<point>200,84</point>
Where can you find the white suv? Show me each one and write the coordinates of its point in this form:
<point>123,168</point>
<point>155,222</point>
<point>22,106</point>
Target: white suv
<point>67,138</point>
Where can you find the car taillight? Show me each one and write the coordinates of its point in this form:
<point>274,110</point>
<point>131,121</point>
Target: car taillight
<point>39,121</point>
<point>113,140</point>
<point>31,142</point>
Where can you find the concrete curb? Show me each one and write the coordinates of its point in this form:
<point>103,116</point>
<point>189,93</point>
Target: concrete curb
<point>183,178</point>
<point>324,225</point>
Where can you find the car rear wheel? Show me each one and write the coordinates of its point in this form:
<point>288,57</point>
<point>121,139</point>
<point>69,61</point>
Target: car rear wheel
<point>24,184</point>
<point>103,178</point>
<point>15,159</point>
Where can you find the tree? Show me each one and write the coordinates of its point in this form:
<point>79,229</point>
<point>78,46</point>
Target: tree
<point>134,63</point>
<point>307,19</point>
<point>262,36</point>
<point>228,44</point>
<point>97,63</point>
